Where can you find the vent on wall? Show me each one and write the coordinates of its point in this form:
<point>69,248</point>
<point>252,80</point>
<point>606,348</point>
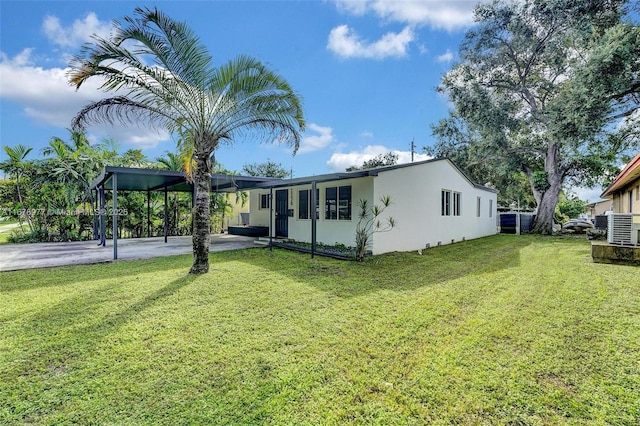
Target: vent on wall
<point>623,229</point>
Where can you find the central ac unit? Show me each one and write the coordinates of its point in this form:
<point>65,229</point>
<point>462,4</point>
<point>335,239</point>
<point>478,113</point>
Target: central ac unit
<point>623,229</point>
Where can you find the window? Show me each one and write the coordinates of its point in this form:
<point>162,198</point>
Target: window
<point>344,203</point>
<point>445,208</point>
<point>478,207</point>
<point>304,201</point>
<point>264,201</point>
<point>337,204</point>
<point>450,203</point>
<point>638,193</point>
<point>456,204</point>
<point>490,208</point>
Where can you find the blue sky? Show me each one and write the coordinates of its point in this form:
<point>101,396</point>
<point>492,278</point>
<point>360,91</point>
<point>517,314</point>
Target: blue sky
<point>366,71</point>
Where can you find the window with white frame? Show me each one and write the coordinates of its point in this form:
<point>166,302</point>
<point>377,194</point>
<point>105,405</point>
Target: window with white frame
<point>337,205</point>
<point>450,202</point>
<point>478,207</point>
<point>304,204</point>
<point>490,208</point>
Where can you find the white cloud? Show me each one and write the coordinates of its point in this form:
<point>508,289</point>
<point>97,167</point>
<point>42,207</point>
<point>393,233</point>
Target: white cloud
<point>339,162</point>
<point>48,99</point>
<point>366,134</point>
<point>590,195</point>
<point>345,42</point>
<point>445,57</point>
<point>316,142</point>
<point>77,33</point>
<point>448,15</point>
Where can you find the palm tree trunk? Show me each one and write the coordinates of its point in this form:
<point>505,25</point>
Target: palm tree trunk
<point>201,220</point>
<point>22,206</point>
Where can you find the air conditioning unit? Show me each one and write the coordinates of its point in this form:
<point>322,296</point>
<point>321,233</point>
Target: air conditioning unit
<point>623,229</point>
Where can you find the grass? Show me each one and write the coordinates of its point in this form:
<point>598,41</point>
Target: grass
<point>501,330</point>
<point>4,235</point>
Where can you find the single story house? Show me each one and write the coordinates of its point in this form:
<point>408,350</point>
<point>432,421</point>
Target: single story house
<point>433,203</point>
<point>599,208</point>
<point>625,188</point>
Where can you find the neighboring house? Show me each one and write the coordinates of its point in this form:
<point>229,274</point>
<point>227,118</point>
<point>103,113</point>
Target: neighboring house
<point>625,189</point>
<point>599,208</point>
<point>433,203</point>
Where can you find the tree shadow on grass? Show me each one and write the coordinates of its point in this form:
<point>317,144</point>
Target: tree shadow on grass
<point>397,271</point>
<point>59,336</point>
<point>58,276</point>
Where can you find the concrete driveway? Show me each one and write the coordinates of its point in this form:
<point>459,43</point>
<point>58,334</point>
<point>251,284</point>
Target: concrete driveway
<point>27,256</point>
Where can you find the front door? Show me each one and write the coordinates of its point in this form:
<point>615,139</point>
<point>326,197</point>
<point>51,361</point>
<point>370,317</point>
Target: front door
<point>282,218</point>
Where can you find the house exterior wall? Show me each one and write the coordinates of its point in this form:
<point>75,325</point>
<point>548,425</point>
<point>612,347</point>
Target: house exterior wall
<point>627,200</point>
<point>416,197</point>
<point>416,207</point>
<point>599,208</point>
<point>327,231</point>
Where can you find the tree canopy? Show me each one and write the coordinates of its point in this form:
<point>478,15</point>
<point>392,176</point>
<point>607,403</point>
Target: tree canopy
<point>547,88</point>
<point>388,159</point>
<point>267,169</point>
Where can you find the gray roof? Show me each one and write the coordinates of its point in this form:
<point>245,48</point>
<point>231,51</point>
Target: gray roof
<point>133,179</point>
<point>363,173</point>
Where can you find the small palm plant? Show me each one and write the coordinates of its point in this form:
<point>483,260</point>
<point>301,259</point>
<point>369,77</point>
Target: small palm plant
<point>369,223</point>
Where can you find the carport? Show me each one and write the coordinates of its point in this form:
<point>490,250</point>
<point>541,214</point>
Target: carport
<point>117,179</point>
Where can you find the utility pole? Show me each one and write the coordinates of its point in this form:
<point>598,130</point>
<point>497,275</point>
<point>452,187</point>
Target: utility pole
<point>413,149</point>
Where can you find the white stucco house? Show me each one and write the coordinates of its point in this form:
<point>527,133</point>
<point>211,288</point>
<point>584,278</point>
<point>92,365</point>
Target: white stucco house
<point>433,203</point>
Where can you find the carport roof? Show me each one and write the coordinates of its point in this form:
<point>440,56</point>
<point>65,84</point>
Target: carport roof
<point>134,179</point>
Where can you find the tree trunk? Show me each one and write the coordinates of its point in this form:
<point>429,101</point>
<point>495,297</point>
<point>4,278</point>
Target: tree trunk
<point>548,199</point>
<point>546,208</point>
<point>201,218</point>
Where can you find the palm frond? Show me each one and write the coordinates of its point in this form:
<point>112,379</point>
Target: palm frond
<point>117,109</point>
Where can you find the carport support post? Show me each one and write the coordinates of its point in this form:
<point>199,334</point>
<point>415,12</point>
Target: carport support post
<point>271,218</point>
<point>103,217</point>
<point>166,216</point>
<point>313,218</point>
<point>96,222</point>
<point>148,214</point>
<point>115,216</point>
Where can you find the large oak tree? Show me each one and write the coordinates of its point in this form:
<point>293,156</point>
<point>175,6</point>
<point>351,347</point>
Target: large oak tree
<point>545,87</point>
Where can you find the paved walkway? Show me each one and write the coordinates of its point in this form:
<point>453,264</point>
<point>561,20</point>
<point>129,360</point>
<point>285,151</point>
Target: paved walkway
<point>28,256</point>
<point>8,227</point>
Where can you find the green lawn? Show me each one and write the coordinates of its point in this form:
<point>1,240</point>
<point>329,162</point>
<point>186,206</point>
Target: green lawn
<point>4,234</point>
<point>502,330</point>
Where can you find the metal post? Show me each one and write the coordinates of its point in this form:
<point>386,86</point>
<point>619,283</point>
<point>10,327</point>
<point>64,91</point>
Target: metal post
<point>103,217</point>
<point>96,223</point>
<point>148,214</point>
<point>115,216</point>
<point>313,218</point>
<point>271,219</point>
<point>166,216</point>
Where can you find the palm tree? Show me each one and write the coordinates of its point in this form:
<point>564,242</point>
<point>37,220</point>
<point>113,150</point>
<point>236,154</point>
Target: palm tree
<point>16,166</point>
<point>164,76</point>
<point>170,161</point>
